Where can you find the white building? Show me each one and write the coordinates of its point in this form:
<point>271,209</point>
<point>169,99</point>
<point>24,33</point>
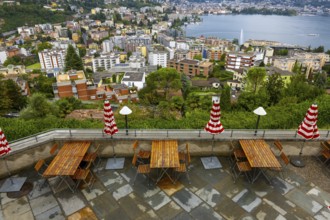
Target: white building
<point>105,61</point>
<point>134,79</point>
<point>63,44</point>
<point>136,60</point>
<point>28,30</point>
<point>107,46</point>
<point>50,59</point>
<point>157,58</point>
<point>3,56</point>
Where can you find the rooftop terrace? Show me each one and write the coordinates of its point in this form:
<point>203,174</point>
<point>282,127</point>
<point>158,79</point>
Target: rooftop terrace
<point>211,195</point>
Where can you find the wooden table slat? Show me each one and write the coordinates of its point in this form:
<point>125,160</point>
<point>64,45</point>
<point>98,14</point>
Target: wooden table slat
<point>164,154</point>
<point>259,154</point>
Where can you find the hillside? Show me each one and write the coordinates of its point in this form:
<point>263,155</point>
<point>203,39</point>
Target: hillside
<point>28,14</point>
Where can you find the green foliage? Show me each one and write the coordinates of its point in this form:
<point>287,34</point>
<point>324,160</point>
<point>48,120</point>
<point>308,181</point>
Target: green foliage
<point>28,14</point>
<point>43,84</point>
<point>225,98</point>
<point>38,107</point>
<point>274,87</point>
<point>98,16</point>
<point>18,60</point>
<point>319,49</point>
<point>159,85</point>
<point>266,11</point>
<point>72,60</point>
<point>255,78</point>
<point>67,105</point>
<point>298,87</point>
<point>198,57</point>
<point>320,80</point>
<point>249,100</point>
<point>288,116</point>
<point>11,98</point>
<point>44,45</point>
<point>281,52</point>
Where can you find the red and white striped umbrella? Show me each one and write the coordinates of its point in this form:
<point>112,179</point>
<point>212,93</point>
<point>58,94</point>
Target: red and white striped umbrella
<point>110,126</point>
<point>4,147</point>
<point>214,125</point>
<point>308,128</point>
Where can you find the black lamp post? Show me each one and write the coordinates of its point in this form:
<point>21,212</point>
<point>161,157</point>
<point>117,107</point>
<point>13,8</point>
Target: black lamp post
<point>125,111</point>
<point>260,112</point>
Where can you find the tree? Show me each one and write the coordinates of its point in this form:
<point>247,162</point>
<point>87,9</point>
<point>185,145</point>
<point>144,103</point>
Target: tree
<point>72,60</point>
<point>320,80</point>
<point>67,105</point>
<point>160,83</point>
<point>198,57</point>
<point>14,94</point>
<point>43,46</point>
<point>225,98</point>
<point>274,87</point>
<point>255,78</point>
<point>38,107</point>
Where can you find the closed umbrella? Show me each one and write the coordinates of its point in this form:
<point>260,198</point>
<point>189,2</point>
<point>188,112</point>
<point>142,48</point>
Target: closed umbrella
<point>307,130</point>
<point>10,184</point>
<point>110,128</point>
<point>213,127</point>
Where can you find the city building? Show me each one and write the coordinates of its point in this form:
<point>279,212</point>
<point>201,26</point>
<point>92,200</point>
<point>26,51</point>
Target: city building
<point>214,54</point>
<point>50,59</point>
<point>238,60</point>
<point>134,79</point>
<point>105,61</point>
<point>75,84</point>
<point>136,60</point>
<point>192,67</point>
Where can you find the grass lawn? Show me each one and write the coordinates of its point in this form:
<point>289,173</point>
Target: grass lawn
<point>34,66</point>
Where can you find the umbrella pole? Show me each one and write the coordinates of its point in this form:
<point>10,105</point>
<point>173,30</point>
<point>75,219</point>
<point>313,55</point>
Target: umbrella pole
<point>212,147</point>
<point>113,149</point>
<point>301,148</point>
<point>8,171</point>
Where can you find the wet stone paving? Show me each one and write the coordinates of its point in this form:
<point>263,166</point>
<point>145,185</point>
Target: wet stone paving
<point>211,194</point>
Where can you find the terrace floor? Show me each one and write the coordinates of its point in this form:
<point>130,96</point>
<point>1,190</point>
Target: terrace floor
<point>212,194</point>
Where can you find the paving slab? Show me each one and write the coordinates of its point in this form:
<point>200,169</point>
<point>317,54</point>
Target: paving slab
<point>158,201</point>
<point>209,195</point>
<point>229,209</point>
<point>247,199</point>
<point>183,216</point>
<point>228,188</point>
<point>5,199</point>
<point>133,205</point>
<point>112,180</point>
<point>43,203</point>
<point>281,186</point>
<point>205,212</point>
<point>268,211</point>
<point>320,196</point>
<point>117,213</point>
<point>54,213</point>
<point>70,202</point>
<point>304,201</point>
<point>169,211</point>
<point>148,215</point>
<point>103,205</point>
<point>37,191</point>
<point>144,190</point>
<point>122,192</point>
<point>186,199</point>
<point>17,208</point>
<point>323,214</point>
<point>97,190</point>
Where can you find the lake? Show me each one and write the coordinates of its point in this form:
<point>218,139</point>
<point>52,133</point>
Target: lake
<point>306,31</point>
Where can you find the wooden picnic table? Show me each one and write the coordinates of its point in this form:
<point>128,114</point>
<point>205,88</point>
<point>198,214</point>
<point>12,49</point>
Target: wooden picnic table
<point>259,154</point>
<point>67,160</point>
<point>164,154</point>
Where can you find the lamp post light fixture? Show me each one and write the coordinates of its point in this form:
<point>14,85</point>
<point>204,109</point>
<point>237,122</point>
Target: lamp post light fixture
<point>260,111</point>
<point>125,111</point>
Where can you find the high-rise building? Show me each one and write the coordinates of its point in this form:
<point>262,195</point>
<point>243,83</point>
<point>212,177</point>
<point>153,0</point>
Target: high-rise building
<point>50,59</point>
<point>105,61</point>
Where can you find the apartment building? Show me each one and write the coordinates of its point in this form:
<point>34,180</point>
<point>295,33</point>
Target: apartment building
<point>75,84</point>
<point>133,42</point>
<point>50,59</point>
<point>136,60</point>
<point>192,67</point>
<point>239,60</point>
<point>193,53</point>
<point>99,35</point>
<point>105,61</point>
<point>214,54</point>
